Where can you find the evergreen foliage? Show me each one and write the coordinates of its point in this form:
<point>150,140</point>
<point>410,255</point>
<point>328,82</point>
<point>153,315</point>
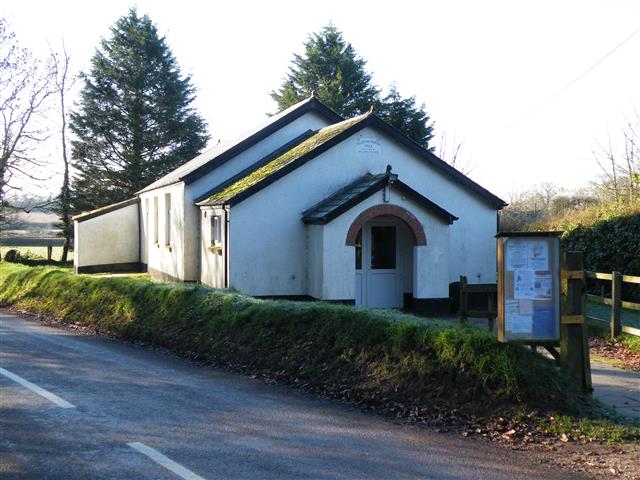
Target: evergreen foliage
<point>404,115</point>
<point>331,68</point>
<point>610,243</point>
<point>135,120</point>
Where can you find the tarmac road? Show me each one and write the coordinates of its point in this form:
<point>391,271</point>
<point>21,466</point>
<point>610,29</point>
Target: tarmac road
<point>83,407</point>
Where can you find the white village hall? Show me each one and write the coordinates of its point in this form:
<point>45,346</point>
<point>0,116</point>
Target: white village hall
<point>309,205</point>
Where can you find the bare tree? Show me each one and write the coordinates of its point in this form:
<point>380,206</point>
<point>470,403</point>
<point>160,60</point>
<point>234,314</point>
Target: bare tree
<point>24,88</point>
<point>632,161</point>
<point>606,160</point>
<point>545,192</point>
<point>620,167</point>
<point>452,154</point>
<point>62,84</point>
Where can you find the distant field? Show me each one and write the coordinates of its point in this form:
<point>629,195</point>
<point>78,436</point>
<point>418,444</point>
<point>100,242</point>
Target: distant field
<point>39,251</point>
<point>27,241</point>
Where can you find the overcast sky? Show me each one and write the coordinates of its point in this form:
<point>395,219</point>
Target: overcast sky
<point>485,70</point>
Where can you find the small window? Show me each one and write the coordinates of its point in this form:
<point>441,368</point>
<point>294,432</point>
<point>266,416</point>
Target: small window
<point>155,219</point>
<point>216,230</point>
<point>167,219</point>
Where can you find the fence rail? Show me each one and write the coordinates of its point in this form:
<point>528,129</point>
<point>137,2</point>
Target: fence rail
<point>615,301</point>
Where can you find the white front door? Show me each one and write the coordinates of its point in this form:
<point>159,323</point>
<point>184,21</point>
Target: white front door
<point>378,282</point>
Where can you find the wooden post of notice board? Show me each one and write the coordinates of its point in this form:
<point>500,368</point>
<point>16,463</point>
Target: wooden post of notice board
<point>574,342</point>
<point>541,299</point>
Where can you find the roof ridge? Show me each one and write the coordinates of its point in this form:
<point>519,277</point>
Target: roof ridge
<point>221,152</point>
<point>315,141</point>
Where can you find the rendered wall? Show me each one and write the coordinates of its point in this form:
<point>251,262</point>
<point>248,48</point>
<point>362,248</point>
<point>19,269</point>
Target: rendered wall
<point>315,253</point>
<point>428,277</point>
<point>108,239</point>
<point>181,259</point>
<point>472,243</point>
<point>270,241</point>
<point>165,261</point>
<point>277,254</point>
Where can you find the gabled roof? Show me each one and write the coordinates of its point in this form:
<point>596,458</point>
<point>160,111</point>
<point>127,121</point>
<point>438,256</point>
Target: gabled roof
<point>321,141</point>
<point>260,163</point>
<point>354,193</point>
<point>258,178</point>
<point>224,151</point>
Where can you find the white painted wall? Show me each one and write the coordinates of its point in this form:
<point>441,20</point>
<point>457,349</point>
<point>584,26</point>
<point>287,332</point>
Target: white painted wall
<point>315,251</point>
<point>429,273</point>
<point>472,241</point>
<point>270,251</point>
<point>108,239</point>
<point>405,241</point>
<point>160,256</point>
<point>267,227</point>
<point>308,121</point>
<point>182,260</point>
<point>212,263</point>
<point>270,242</point>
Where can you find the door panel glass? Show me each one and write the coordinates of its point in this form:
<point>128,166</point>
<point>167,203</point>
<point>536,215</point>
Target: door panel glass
<point>383,247</point>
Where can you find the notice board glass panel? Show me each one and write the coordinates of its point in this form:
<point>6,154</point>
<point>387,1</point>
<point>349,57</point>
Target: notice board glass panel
<point>531,288</point>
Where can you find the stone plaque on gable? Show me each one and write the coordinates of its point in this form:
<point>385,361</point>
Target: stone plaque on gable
<point>369,145</point>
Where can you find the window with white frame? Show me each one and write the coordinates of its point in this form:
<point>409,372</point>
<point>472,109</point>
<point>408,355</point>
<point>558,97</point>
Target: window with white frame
<point>216,230</point>
<point>167,219</point>
<point>155,219</point>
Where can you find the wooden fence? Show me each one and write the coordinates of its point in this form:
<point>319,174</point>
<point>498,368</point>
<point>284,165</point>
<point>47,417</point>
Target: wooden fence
<point>489,291</point>
<point>615,301</point>
<point>44,242</point>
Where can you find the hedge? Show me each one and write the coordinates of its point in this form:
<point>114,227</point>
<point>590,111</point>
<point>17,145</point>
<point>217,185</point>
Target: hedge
<point>365,355</point>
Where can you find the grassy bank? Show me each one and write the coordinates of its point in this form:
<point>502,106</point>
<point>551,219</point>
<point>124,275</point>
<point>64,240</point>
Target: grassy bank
<point>370,357</point>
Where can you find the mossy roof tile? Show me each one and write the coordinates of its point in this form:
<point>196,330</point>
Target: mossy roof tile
<point>253,178</point>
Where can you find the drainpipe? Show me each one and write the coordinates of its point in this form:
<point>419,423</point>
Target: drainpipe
<point>227,224</point>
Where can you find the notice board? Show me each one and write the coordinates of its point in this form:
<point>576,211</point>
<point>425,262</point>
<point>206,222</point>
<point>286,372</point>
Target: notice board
<point>529,287</point>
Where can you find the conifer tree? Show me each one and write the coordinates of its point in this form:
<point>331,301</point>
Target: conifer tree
<point>331,68</point>
<point>135,120</point>
<point>406,116</point>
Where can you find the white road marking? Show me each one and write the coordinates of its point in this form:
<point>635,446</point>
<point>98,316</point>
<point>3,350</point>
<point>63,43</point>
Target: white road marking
<point>166,462</point>
<point>36,389</point>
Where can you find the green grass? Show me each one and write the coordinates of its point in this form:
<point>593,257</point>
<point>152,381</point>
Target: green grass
<point>40,252</point>
<point>367,356</point>
<point>609,427</point>
<point>627,316</point>
<point>631,342</point>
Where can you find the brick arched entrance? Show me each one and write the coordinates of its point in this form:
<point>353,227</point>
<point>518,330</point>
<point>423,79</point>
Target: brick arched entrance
<point>406,216</point>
